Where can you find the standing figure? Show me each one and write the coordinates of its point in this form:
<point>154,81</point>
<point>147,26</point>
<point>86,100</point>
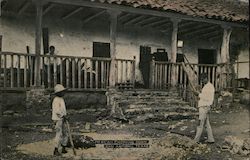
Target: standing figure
<point>206,98</point>
<point>59,117</point>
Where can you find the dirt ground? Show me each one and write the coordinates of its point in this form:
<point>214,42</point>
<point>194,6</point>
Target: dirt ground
<point>36,142</point>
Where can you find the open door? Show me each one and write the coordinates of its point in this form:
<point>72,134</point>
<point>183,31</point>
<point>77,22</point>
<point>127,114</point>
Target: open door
<point>144,64</point>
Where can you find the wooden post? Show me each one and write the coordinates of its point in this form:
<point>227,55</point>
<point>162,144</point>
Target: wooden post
<point>225,58</point>
<point>39,13</point>
<point>174,50</point>
<point>113,34</point>
<point>152,73</point>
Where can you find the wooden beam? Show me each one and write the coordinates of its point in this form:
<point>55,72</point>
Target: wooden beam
<point>39,13</point>
<point>113,34</point>
<point>163,25</point>
<point>225,44</point>
<point>144,21</point>
<point>93,16</point>
<point>48,8</point>
<point>123,16</point>
<point>72,13</point>
<point>194,27</point>
<point>146,12</point>
<point>24,6</point>
<point>160,22</point>
<point>134,19</point>
<point>174,49</point>
<point>208,35</point>
<point>201,31</point>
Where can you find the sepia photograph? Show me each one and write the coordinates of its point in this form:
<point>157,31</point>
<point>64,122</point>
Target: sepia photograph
<point>124,80</point>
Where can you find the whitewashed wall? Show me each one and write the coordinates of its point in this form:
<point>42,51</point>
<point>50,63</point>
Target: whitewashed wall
<point>71,37</point>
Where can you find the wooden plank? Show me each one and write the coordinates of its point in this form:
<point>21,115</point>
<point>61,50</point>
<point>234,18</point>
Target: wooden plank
<point>85,73</point>
<point>102,74</point>
<point>126,71</point>
<point>24,7</point>
<point>146,12</point>
<point>12,72</point>
<point>25,71</point>
<point>73,74</point>
<point>71,13</point>
<point>55,70</point>
<point>134,19</point>
<point>67,72</point>
<point>5,72</point>
<point>79,73</point>
<point>96,74</point>
<point>49,72</point>
<point>108,72</point>
<point>91,74</point>
<point>18,70</point>
<point>61,71</point>
<point>122,73</point>
<point>93,16</point>
<point>48,8</point>
<point>151,74</point>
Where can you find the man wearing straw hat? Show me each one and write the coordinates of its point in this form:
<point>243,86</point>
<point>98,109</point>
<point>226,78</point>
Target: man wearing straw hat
<point>206,98</point>
<point>59,117</point>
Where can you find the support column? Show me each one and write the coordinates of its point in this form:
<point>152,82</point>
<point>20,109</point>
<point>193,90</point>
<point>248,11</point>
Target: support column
<point>113,34</point>
<point>39,13</point>
<point>225,58</point>
<point>174,50</point>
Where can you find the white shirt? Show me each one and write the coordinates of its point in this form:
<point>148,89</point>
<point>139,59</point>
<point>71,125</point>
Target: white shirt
<point>58,108</point>
<point>207,95</point>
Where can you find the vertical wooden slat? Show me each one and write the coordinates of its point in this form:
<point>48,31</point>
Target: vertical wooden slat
<point>122,73</point>
<point>61,71</point>
<point>12,72</point>
<point>96,74</point>
<point>102,74</point>
<point>91,74</point>
<point>85,73</point>
<point>161,76</point>
<point>43,72</point>
<point>181,75</point>
<point>5,71</point>
<point>212,78</point>
<point>79,73</point>
<point>133,79</point>
<point>73,72</point>
<point>55,70</point>
<point>126,71</point>
<point>25,71</point>
<point>18,70</point>
<point>165,75</point>
<point>67,72</point>
<point>209,74</point>
<point>48,72</point>
<point>108,71</point>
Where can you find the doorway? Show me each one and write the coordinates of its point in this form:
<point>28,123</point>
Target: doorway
<point>144,64</point>
<point>206,56</point>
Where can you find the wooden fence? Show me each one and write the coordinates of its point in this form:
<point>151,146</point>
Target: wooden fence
<point>18,71</point>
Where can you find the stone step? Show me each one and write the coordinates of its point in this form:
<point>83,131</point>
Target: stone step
<point>163,117</point>
<point>136,111</point>
<point>142,103</point>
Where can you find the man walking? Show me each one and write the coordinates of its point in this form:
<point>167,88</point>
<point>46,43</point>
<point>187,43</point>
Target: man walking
<point>59,117</point>
<point>206,98</point>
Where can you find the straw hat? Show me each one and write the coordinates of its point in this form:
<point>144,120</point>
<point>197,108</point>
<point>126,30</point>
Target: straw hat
<point>59,88</point>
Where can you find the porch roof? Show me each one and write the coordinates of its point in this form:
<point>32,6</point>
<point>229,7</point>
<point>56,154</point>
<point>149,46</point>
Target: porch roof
<point>226,10</point>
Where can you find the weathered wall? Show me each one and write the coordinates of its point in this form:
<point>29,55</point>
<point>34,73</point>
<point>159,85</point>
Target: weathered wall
<point>243,68</point>
<point>71,37</point>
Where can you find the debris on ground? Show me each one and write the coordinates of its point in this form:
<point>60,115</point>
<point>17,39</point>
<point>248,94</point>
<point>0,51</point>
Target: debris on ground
<point>225,99</point>
<point>237,145</point>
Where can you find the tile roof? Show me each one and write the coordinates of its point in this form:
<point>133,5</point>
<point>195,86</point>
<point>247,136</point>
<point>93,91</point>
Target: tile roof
<point>226,10</point>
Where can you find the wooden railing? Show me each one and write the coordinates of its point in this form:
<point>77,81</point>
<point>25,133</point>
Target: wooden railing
<point>161,72</point>
<point>18,71</point>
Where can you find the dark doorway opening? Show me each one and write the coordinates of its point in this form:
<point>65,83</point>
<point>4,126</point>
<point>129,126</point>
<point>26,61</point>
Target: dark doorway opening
<point>144,64</point>
<point>206,56</point>
<point>101,49</point>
